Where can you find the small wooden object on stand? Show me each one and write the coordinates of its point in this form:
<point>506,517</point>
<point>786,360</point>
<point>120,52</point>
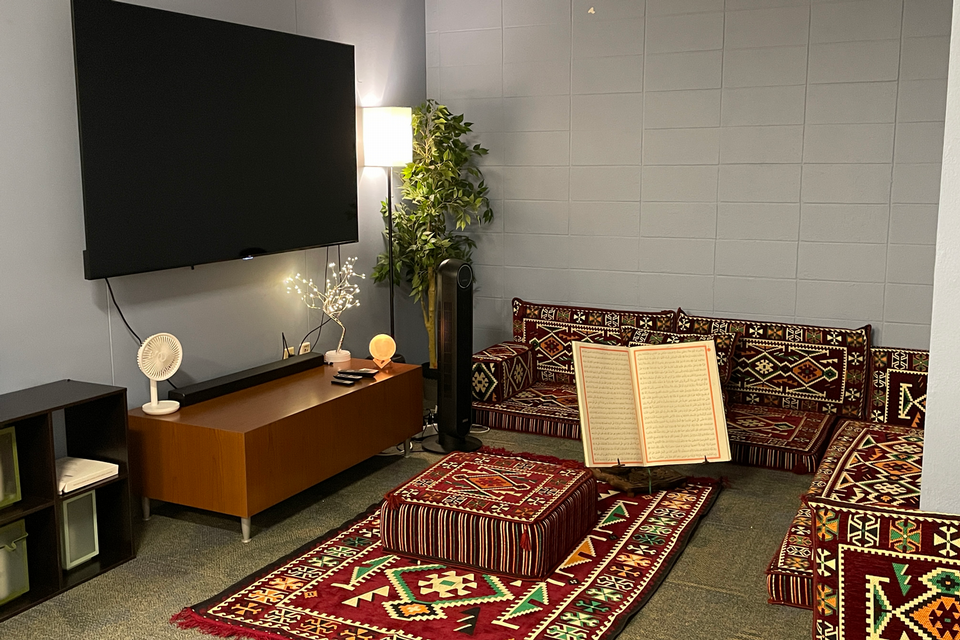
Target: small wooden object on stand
<point>639,480</point>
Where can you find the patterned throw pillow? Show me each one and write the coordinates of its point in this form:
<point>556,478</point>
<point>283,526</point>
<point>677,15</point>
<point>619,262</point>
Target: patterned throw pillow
<point>898,386</point>
<point>725,343</point>
<point>793,366</point>
<point>550,329</point>
<point>884,572</point>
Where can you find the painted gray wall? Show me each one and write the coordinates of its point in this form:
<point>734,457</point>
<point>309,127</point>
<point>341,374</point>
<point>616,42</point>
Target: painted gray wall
<point>773,159</point>
<point>941,477</point>
<point>54,324</point>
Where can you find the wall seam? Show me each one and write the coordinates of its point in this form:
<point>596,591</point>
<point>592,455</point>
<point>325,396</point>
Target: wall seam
<point>643,128</point>
<point>893,165</point>
<point>716,216</point>
<point>803,149</point>
<point>570,200</point>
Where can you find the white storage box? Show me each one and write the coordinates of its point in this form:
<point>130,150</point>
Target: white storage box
<point>79,534</point>
<point>14,573</point>
<point>9,469</point>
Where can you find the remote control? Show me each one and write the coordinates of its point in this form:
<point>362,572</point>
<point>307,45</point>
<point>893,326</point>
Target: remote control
<point>366,373</point>
<point>341,381</point>
<point>347,376</point>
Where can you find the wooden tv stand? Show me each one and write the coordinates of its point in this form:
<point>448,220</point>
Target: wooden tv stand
<point>244,452</point>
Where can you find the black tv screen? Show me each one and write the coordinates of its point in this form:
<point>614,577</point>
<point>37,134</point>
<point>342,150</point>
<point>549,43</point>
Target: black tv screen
<point>203,141</point>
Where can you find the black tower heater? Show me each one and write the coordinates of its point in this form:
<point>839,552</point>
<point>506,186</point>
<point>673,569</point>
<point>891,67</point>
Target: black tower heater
<point>455,342</point>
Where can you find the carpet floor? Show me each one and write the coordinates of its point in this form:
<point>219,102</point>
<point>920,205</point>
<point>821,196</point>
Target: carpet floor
<point>716,589</point>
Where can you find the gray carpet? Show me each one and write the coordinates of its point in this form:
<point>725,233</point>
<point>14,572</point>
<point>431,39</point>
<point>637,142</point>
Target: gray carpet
<point>716,590</point>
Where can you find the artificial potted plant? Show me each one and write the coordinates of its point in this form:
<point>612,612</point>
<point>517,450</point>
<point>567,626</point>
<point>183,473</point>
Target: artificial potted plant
<point>443,193</point>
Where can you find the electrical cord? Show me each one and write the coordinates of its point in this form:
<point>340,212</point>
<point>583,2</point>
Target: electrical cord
<point>129,328</point>
<point>420,437</point>
<point>429,423</point>
<point>319,327</point>
<point>120,311</point>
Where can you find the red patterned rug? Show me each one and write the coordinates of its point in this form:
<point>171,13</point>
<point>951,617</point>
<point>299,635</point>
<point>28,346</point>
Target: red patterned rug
<point>345,585</point>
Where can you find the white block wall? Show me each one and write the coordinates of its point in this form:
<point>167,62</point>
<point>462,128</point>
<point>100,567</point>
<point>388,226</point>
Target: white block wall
<point>941,476</point>
<point>774,159</point>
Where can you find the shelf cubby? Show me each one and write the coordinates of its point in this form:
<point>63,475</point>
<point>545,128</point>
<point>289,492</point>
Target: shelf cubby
<point>94,424</point>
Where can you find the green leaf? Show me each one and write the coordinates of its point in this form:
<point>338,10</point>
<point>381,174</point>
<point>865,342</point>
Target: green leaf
<point>442,192</point>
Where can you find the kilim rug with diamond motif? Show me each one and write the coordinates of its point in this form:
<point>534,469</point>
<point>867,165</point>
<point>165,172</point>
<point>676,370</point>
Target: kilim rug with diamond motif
<point>345,586</point>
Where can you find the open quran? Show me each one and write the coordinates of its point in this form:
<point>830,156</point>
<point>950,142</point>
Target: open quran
<point>650,405</point>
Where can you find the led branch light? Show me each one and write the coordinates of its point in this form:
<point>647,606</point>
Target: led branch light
<point>337,295</point>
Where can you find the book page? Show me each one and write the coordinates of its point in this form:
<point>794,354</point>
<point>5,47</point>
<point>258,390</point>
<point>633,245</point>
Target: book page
<point>608,415</point>
<point>679,404</point>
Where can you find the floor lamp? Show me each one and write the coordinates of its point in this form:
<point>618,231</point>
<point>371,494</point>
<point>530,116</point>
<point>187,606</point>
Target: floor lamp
<point>388,143</point>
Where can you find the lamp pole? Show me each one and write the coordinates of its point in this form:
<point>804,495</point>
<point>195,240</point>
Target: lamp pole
<point>390,248</point>
<point>388,143</point>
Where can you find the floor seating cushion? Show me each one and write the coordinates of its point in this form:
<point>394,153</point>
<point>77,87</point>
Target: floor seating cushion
<point>898,383</point>
<point>787,370</point>
<point>724,342</point>
<point>777,438</point>
<point>501,371</point>
<point>501,514</point>
<point>544,408</point>
<point>884,572</point>
<point>544,401</point>
<point>865,464</point>
<point>793,366</point>
<point>549,330</point>
<point>898,386</point>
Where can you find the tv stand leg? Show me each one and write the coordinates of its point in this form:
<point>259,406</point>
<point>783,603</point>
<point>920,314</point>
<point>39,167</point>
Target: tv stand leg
<point>407,447</point>
<point>145,506</point>
<point>245,529</point>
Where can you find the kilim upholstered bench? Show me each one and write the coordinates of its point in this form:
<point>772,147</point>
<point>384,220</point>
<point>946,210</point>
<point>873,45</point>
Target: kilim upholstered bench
<point>789,382</point>
<point>528,384</point>
<point>884,572</point>
<point>784,385</point>
<point>866,463</point>
<point>505,515</point>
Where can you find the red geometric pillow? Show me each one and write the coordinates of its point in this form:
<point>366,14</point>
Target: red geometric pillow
<point>898,386</point>
<point>724,342</point>
<point>884,572</point>
<point>793,366</point>
<point>550,329</point>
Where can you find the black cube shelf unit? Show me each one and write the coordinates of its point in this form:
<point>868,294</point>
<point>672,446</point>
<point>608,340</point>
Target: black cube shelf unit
<point>95,418</point>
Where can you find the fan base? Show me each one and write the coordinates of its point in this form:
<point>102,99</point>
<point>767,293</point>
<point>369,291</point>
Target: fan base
<point>162,408</point>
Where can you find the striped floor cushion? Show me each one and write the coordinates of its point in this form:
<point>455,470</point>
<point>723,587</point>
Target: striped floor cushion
<point>777,438</point>
<point>497,513</point>
<point>544,408</point>
<point>866,463</point>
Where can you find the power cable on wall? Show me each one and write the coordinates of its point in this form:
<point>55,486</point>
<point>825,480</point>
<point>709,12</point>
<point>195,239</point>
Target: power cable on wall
<point>129,328</point>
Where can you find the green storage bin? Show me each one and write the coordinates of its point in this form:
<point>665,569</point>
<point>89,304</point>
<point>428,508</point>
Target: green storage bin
<point>9,468</point>
<point>14,571</point>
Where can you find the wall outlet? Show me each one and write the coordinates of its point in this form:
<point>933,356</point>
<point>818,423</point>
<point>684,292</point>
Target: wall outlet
<point>289,352</point>
<point>304,348</point>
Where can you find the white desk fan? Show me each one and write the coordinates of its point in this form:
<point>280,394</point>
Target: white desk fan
<point>159,358</point>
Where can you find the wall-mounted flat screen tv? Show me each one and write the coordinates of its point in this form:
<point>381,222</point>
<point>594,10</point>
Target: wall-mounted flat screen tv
<point>203,141</point>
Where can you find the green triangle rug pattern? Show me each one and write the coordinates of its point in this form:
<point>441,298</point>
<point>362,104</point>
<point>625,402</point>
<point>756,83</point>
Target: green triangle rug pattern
<point>345,586</point>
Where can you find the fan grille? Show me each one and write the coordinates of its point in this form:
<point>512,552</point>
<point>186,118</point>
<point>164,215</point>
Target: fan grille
<point>160,356</point>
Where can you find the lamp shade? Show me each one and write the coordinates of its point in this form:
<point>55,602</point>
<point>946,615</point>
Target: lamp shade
<point>387,136</point>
